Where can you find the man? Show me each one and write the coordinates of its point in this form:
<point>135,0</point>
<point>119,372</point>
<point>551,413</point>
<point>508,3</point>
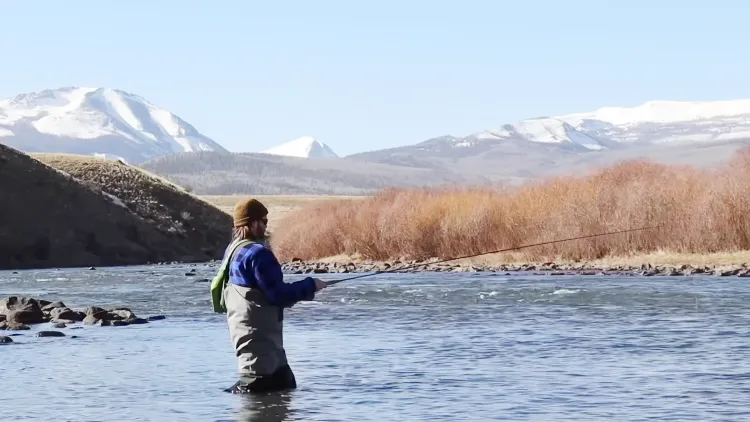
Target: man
<point>255,298</point>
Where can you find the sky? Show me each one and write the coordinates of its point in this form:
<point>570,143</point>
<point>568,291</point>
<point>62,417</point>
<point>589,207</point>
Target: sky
<point>361,76</point>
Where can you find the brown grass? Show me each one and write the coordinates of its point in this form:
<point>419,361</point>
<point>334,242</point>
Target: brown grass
<point>700,211</point>
<point>279,206</point>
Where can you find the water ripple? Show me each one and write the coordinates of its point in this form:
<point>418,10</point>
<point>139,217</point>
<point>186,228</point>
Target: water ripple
<point>423,347</point>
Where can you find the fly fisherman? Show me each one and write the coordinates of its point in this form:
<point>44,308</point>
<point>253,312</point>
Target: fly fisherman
<point>255,296</point>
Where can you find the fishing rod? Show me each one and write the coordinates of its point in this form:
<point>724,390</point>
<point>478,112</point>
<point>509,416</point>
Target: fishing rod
<point>487,253</point>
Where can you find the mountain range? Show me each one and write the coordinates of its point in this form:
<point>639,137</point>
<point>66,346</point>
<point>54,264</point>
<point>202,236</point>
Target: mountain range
<point>113,123</point>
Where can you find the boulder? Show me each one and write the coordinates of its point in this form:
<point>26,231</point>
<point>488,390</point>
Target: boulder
<point>120,314</point>
<point>23,310</point>
<point>65,313</point>
<point>51,306</point>
<point>91,320</point>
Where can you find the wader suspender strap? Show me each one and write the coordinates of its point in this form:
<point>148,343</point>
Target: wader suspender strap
<point>221,279</point>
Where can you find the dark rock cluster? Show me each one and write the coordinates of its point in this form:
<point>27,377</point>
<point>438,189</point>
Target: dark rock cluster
<point>20,312</point>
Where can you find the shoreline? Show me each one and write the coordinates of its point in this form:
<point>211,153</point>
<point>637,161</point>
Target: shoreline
<point>299,267</point>
<point>655,264</point>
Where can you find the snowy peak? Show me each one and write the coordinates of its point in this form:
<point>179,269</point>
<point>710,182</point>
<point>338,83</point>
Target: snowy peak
<point>664,112</point>
<point>87,120</point>
<point>305,147</point>
<point>544,130</point>
<point>654,122</point>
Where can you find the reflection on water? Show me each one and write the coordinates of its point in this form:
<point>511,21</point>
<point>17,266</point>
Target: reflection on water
<point>271,407</point>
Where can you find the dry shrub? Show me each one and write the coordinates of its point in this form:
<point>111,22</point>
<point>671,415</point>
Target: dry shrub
<point>698,211</point>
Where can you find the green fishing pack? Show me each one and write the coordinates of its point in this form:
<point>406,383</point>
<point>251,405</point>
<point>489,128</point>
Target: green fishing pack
<point>220,280</point>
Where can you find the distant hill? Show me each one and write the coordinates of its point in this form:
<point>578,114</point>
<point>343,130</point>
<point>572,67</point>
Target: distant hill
<point>52,219</point>
<point>208,173</point>
<point>540,146</point>
<point>96,121</point>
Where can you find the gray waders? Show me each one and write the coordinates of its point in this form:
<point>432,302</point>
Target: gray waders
<point>256,331</point>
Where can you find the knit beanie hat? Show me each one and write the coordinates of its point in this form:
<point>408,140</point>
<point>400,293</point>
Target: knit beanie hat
<point>248,210</point>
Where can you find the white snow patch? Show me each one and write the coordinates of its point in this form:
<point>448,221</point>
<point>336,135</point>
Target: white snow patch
<point>463,144</point>
<point>306,147</point>
<point>115,200</point>
<point>664,112</point>
<point>548,130</point>
<point>109,157</point>
<point>487,135</point>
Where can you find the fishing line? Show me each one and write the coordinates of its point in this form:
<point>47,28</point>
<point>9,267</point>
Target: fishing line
<point>487,253</point>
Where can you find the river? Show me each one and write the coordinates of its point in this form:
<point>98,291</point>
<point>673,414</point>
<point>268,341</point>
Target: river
<point>410,347</point>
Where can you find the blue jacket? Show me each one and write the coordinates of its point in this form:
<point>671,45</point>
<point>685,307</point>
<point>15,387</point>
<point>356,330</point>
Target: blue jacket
<point>256,267</point>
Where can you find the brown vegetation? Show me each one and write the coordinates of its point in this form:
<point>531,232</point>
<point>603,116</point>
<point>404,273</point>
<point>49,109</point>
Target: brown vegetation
<point>279,206</point>
<point>699,211</point>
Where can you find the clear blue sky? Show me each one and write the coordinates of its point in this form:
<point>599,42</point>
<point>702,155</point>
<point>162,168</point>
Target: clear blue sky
<point>367,75</point>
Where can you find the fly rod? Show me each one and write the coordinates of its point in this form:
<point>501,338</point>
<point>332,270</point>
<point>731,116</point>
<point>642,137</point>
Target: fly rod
<point>486,253</point>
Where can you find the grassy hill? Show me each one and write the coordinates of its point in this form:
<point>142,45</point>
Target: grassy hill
<point>64,211</point>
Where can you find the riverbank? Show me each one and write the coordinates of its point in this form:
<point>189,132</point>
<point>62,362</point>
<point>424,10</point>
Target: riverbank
<point>653,264</point>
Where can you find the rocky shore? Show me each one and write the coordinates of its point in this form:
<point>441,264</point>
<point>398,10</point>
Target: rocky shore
<point>297,266</point>
<point>19,313</point>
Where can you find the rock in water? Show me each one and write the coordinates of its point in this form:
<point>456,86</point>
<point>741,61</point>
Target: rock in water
<point>50,334</point>
<point>12,325</point>
<point>22,310</point>
<point>65,313</point>
<point>52,306</point>
<point>17,311</point>
<point>5,340</point>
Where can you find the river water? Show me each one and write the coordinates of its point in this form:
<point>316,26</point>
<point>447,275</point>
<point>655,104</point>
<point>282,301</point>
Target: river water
<point>416,347</point>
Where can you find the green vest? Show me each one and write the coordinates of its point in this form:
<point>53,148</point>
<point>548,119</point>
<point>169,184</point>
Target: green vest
<point>220,280</point>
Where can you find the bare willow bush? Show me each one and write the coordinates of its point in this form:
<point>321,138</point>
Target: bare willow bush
<point>697,211</point>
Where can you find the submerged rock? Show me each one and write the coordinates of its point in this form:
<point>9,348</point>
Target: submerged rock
<point>50,334</point>
<point>5,340</point>
<point>12,325</point>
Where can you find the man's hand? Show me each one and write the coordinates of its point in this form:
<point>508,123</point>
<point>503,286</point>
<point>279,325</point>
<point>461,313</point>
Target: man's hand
<point>320,284</point>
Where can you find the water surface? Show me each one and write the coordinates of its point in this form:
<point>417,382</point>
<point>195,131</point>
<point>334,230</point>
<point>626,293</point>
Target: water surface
<point>425,347</point>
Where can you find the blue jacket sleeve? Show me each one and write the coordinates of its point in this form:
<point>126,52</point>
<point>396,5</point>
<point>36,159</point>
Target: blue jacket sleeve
<point>270,279</point>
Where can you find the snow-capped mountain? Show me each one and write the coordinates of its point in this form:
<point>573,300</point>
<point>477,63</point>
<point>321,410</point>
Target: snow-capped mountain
<point>306,147</point>
<point>655,122</point>
<point>96,121</point>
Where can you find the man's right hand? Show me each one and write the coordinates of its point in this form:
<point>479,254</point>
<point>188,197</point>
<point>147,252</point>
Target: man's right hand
<point>320,284</point>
